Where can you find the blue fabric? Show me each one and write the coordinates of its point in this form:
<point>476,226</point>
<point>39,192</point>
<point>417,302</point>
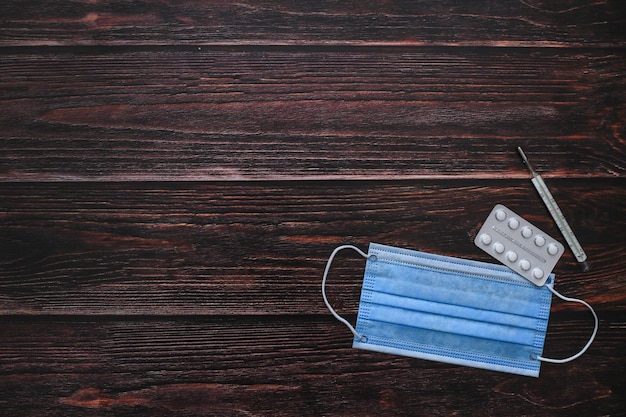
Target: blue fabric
<point>452,310</point>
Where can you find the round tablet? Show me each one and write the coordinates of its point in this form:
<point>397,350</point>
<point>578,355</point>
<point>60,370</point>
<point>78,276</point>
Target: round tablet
<point>511,256</point>
<point>552,249</point>
<point>513,224</point>
<point>538,273</point>
<point>540,241</point>
<point>527,232</point>
<point>524,264</point>
<point>500,215</point>
<point>485,239</point>
<point>498,247</point>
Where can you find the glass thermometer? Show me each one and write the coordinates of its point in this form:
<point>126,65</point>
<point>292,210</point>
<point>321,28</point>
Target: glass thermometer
<point>557,215</point>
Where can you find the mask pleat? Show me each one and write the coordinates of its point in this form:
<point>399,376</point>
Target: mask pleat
<point>433,307</point>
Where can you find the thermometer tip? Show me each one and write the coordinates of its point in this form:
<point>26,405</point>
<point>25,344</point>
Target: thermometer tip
<point>525,159</point>
<point>522,154</point>
<point>585,266</point>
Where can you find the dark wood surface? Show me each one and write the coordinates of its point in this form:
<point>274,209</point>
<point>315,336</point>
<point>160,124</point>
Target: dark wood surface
<point>174,175</point>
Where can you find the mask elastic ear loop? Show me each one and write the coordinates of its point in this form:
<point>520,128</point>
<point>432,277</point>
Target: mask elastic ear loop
<point>330,308</point>
<point>593,335</point>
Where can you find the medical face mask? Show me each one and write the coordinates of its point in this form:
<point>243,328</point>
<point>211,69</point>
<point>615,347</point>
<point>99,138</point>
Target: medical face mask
<point>451,310</point>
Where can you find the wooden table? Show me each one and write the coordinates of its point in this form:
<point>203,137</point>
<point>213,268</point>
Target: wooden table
<point>174,175</point>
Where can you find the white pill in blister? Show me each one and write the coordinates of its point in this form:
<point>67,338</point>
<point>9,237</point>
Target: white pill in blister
<point>540,241</point>
<point>513,224</point>
<point>524,264</point>
<point>498,247</point>
<point>511,256</point>
<point>527,232</point>
<point>553,249</point>
<point>519,245</point>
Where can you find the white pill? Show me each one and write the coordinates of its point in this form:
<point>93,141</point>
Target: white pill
<point>498,247</point>
<point>527,232</point>
<point>511,256</point>
<point>553,249</point>
<point>540,241</point>
<point>524,264</point>
<point>519,245</point>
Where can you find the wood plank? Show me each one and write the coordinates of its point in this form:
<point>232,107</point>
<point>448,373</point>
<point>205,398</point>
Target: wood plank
<point>266,366</point>
<point>184,114</point>
<point>260,248</point>
<point>262,22</point>
<point>174,174</point>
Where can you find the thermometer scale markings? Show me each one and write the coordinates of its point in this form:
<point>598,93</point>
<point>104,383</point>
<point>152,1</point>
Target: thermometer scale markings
<point>556,213</point>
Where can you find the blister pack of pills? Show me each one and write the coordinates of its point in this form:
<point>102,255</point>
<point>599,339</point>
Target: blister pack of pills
<point>518,244</point>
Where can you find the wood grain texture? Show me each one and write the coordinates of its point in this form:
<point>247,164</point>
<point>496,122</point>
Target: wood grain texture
<point>262,22</point>
<point>189,248</point>
<point>281,366</point>
<point>174,175</point>
<point>322,114</point>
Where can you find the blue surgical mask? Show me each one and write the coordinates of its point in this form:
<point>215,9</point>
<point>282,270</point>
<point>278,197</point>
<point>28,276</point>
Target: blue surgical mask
<point>451,310</point>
